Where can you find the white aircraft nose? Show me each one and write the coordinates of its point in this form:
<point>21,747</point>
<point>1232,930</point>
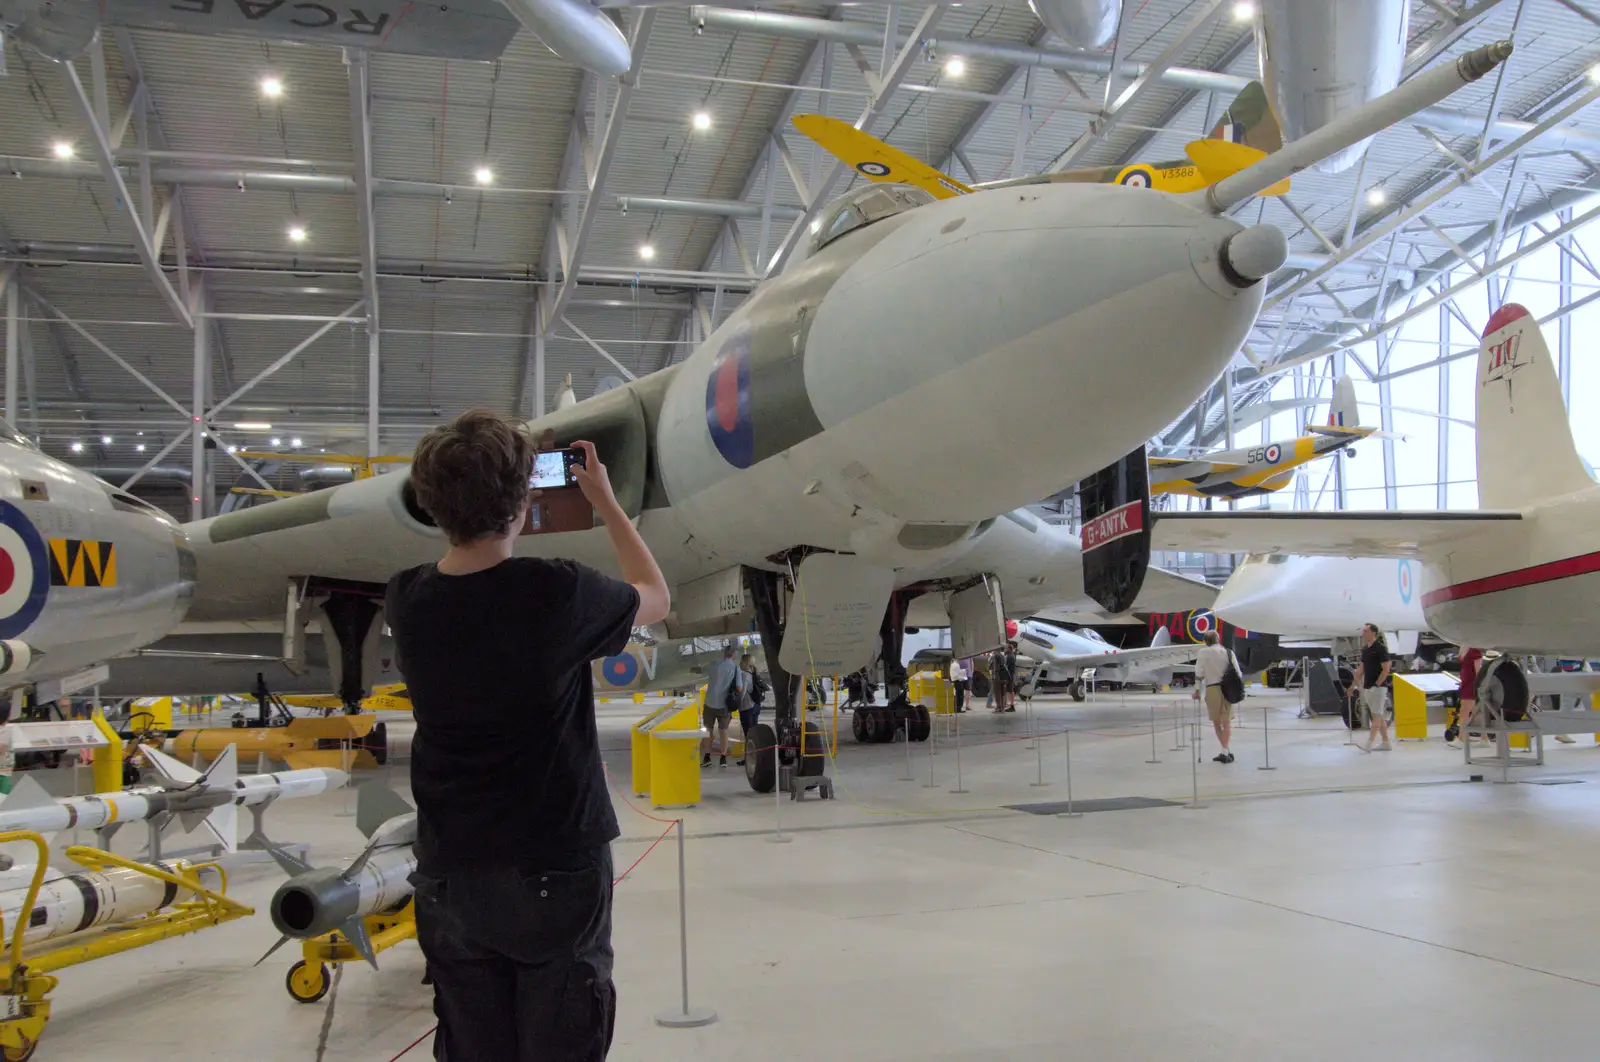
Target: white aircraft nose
<point>1032,335</point>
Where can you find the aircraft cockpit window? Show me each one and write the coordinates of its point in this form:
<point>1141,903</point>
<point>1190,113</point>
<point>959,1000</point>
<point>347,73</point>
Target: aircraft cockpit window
<point>1278,558</point>
<point>864,206</point>
<point>1092,635</point>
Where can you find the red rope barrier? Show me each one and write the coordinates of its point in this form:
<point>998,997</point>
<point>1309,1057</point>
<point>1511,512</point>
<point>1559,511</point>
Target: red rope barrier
<point>414,1043</point>
<point>647,851</point>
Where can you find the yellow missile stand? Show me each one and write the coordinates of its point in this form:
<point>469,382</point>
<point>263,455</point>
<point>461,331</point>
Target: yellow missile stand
<point>309,980</point>
<point>25,981</point>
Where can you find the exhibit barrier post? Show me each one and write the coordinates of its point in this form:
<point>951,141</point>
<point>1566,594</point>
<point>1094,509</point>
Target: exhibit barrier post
<point>1038,753</point>
<point>1266,740</point>
<point>778,836</point>
<point>1152,758</point>
<point>930,783</point>
<point>956,720</point>
<point>908,777</point>
<point>1194,770</point>
<point>688,1017</point>
<point>1069,813</point>
<point>1177,729</point>
<point>347,760</point>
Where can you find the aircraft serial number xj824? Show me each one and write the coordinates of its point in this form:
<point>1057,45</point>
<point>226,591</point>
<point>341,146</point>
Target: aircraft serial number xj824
<point>847,453</point>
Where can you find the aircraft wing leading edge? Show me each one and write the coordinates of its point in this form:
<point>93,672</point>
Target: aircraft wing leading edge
<point>1342,534</point>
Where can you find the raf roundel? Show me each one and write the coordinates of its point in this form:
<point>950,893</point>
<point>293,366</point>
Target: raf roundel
<point>1200,623</point>
<point>619,670</point>
<point>1137,178</point>
<point>1273,453</point>
<point>873,169</point>
<point>728,402</point>
<point>24,572</point>
<point>1405,581</point>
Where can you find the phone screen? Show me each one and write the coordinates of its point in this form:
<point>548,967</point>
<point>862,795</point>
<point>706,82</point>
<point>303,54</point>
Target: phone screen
<point>553,469</point>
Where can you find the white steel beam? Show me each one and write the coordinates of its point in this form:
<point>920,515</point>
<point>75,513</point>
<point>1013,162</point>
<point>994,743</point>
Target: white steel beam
<point>149,254</point>
<point>890,80</point>
<point>597,175</point>
<point>361,148</point>
<point>1142,83</point>
<point>13,343</point>
<point>293,353</point>
<point>199,486</point>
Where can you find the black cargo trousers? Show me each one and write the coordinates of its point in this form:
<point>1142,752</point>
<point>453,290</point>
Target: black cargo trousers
<point>520,959</point>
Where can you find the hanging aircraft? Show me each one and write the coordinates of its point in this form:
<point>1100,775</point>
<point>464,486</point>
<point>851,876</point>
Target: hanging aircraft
<point>849,450</point>
<point>1246,133</point>
<point>1319,597</point>
<point>1256,470</point>
<point>1521,574</point>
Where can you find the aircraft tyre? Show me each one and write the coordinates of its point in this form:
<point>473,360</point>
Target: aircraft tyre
<point>307,984</point>
<point>761,758</point>
<point>858,725</point>
<point>1078,690</point>
<point>921,723</point>
<point>874,724</point>
<point>1505,687</point>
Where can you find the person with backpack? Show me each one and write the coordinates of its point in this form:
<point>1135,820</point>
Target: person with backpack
<point>750,715</point>
<point>727,690</point>
<point>1212,666</point>
<point>958,679</point>
<point>1375,687</point>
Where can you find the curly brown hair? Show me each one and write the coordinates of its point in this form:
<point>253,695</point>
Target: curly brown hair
<point>471,475</point>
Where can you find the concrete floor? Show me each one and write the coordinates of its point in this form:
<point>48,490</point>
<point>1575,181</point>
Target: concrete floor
<point>1343,906</point>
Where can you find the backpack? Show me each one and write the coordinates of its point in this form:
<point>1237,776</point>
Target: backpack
<point>758,689</point>
<point>733,700</point>
<point>1232,682</point>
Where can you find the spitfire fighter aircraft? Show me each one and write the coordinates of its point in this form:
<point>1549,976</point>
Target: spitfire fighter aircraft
<point>1064,655</point>
<point>1246,133</point>
<point>1256,470</point>
<point>848,452</point>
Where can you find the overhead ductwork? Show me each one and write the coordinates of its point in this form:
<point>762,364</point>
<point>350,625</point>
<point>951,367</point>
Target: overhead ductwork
<point>1083,23</point>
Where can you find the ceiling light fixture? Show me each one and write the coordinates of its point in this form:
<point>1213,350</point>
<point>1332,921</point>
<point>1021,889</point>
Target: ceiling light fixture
<point>252,425</point>
<point>105,440</point>
<point>297,234</point>
<point>702,121</point>
<point>1376,196</point>
<point>955,66</point>
<point>276,441</point>
<point>271,87</point>
<point>295,442</point>
<point>77,447</point>
<point>483,175</point>
<point>139,449</point>
<point>647,251</point>
<point>1244,11</point>
<point>62,149</point>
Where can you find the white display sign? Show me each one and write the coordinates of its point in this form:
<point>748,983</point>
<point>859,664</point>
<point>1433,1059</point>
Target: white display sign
<point>56,734</point>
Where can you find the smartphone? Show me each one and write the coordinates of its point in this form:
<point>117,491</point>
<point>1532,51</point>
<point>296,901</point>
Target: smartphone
<point>554,469</point>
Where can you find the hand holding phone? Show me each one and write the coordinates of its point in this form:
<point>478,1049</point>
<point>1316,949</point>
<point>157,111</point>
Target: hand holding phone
<point>554,469</point>
<point>593,480</point>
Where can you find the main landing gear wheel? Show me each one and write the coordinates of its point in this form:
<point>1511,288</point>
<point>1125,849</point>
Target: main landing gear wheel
<point>1504,690</point>
<point>1078,691</point>
<point>815,759</point>
<point>760,758</point>
<point>919,725</point>
<point>876,725</point>
<point>858,725</point>
<point>305,983</point>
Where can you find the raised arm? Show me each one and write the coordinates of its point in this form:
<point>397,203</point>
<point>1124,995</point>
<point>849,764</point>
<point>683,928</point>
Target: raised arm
<point>638,566</point>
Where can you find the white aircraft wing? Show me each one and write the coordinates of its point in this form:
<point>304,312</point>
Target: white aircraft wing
<point>1152,658</point>
<point>1403,533</point>
<point>1165,591</point>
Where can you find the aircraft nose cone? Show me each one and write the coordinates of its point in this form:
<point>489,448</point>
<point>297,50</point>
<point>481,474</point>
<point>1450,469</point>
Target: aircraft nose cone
<point>337,779</point>
<point>1253,254</point>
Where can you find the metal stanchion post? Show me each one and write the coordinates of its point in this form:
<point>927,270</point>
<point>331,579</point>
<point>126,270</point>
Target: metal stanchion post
<point>908,777</point>
<point>778,836</point>
<point>347,759</point>
<point>957,723</point>
<point>1069,813</point>
<point>1266,741</point>
<point>688,1017</point>
<point>1038,753</point>
<point>1194,772</point>
<point>1177,729</point>
<point>1152,758</point>
<point>930,783</point>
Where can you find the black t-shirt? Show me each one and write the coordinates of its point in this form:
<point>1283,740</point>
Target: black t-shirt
<point>505,764</point>
<point>1372,660</point>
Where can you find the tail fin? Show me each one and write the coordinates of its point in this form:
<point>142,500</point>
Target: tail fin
<point>1249,121</point>
<point>1163,637</point>
<point>1343,412</point>
<point>1525,448</point>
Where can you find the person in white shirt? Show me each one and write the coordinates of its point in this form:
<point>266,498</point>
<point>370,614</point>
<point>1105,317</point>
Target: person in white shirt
<point>1209,667</point>
<point>958,678</point>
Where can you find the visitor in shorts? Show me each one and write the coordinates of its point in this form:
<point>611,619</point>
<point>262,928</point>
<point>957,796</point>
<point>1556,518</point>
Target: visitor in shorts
<point>728,685</point>
<point>1374,687</point>
<point>1210,665</point>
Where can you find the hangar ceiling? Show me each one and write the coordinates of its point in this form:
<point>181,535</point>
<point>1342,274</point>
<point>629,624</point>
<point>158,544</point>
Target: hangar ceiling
<point>294,216</point>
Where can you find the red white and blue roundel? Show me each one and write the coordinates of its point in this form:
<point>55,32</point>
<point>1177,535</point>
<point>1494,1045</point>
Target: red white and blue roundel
<point>619,670</point>
<point>1200,621</point>
<point>728,402</point>
<point>1273,453</point>
<point>24,572</point>
<point>1405,581</point>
